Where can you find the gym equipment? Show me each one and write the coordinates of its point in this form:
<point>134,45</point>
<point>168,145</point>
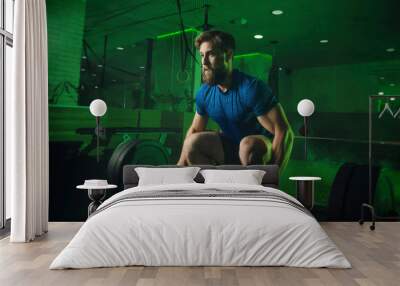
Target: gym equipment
<point>135,152</point>
<point>339,188</point>
<point>348,191</point>
<point>370,205</point>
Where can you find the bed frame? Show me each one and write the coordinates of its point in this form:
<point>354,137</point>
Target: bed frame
<point>271,177</point>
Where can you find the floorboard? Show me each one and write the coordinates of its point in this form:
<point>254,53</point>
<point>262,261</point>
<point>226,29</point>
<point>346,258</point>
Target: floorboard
<point>374,255</point>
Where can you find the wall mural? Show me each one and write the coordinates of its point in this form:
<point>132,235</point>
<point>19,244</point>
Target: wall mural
<point>141,60</point>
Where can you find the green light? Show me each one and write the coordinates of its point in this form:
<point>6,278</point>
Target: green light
<point>277,12</point>
<point>188,30</point>
<point>253,55</point>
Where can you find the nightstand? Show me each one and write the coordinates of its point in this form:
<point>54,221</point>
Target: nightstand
<point>305,190</point>
<point>97,190</point>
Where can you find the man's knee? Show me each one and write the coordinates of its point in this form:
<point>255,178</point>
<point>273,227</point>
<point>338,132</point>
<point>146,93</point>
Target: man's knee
<point>193,141</point>
<point>206,145</point>
<point>251,144</point>
<point>246,144</point>
<point>194,145</point>
<point>251,150</point>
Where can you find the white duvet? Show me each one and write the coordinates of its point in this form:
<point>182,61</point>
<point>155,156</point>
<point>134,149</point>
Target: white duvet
<point>200,231</point>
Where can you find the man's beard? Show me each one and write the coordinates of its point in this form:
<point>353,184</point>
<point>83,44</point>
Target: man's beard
<point>214,76</point>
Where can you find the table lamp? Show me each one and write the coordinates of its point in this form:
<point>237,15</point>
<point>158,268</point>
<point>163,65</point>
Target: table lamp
<point>98,108</point>
<point>305,108</point>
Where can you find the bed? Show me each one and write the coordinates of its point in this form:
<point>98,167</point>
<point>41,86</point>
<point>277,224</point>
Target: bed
<point>197,224</point>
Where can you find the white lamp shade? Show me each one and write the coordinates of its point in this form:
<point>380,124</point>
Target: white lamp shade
<point>98,107</point>
<point>305,107</point>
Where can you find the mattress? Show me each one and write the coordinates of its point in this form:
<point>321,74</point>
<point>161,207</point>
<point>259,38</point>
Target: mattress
<point>201,225</point>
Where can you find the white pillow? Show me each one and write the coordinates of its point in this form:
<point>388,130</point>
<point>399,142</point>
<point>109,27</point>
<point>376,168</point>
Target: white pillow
<point>248,177</point>
<point>164,176</point>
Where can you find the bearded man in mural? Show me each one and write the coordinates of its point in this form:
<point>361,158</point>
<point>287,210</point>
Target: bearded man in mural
<point>253,125</point>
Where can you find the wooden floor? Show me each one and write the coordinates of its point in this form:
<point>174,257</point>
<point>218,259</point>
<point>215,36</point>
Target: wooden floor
<point>375,257</point>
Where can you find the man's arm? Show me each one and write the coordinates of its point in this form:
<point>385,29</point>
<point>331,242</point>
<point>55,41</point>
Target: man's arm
<point>199,124</point>
<point>275,121</point>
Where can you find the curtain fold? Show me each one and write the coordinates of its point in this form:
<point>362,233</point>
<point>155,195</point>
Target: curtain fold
<point>27,124</point>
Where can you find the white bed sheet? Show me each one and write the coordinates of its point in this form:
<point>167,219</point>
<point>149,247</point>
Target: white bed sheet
<point>200,231</point>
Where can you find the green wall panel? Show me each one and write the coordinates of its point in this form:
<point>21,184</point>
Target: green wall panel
<point>65,24</point>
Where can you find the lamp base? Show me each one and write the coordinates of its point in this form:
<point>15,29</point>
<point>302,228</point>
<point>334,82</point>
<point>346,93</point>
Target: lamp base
<point>97,196</point>
<point>372,209</point>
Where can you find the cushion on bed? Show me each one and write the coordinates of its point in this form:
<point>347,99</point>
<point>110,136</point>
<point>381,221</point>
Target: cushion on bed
<point>248,177</point>
<point>163,176</point>
<point>271,177</point>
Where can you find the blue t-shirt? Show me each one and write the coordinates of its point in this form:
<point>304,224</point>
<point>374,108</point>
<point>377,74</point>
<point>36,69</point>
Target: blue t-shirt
<point>237,109</point>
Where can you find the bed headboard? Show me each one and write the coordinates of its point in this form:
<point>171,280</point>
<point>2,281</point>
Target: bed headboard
<point>271,177</point>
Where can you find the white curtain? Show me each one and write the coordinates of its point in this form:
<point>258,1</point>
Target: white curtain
<point>27,124</point>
